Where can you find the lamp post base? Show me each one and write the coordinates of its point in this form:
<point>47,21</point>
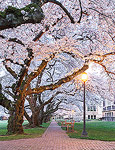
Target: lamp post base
<point>84,134</point>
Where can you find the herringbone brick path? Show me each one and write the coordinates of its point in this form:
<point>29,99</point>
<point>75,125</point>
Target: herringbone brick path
<point>56,139</point>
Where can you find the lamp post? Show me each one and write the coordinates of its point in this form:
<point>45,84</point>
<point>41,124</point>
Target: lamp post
<point>84,78</point>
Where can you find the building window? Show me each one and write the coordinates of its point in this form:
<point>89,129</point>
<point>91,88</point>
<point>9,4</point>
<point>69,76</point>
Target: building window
<point>94,116</point>
<point>109,108</point>
<point>91,108</point>
<point>94,108</point>
<point>105,114</point>
<point>88,116</point>
<point>88,108</point>
<point>103,103</point>
<point>113,107</point>
<point>91,116</point>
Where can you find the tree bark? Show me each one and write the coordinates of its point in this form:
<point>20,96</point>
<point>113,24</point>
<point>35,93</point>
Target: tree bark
<point>34,120</point>
<point>16,118</point>
<point>40,117</point>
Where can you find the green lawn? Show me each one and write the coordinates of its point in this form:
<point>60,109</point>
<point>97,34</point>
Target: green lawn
<point>97,130</point>
<point>29,133</point>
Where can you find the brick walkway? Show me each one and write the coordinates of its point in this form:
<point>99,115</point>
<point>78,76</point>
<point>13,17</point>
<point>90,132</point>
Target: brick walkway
<point>56,139</point>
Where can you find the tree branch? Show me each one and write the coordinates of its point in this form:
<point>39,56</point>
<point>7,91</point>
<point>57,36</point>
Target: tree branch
<point>24,70</point>
<point>49,101</point>
<point>34,74</point>
<point>27,116</point>
<point>13,40</point>
<point>46,29</point>
<point>52,110</point>
<point>81,12</point>
<point>38,36</point>
<point>10,71</point>
<point>13,17</point>
<point>64,9</point>
<point>97,58</point>
<point>37,72</point>
<point>13,62</point>
<point>108,72</point>
<point>57,84</point>
<point>9,93</point>
<point>4,101</point>
<point>16,41</point>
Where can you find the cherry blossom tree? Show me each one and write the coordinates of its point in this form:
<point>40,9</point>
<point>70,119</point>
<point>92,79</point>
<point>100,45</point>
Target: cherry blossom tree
<point>40,31</point>
<point>41,111</point>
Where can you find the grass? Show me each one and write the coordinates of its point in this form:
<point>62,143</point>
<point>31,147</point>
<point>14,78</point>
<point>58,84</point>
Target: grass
<point>97,130</point>
<point>28,133</point>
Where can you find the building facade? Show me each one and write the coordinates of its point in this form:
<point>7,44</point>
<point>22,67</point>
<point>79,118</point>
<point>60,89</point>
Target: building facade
<point>93,112</point>
<point>108,113</point>
<point>104,111</point>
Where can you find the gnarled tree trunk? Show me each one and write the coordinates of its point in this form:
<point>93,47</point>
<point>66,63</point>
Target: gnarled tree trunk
<point>16,118</point>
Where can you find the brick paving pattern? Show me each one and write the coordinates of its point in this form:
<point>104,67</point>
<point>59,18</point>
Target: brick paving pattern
<point>56,139</point>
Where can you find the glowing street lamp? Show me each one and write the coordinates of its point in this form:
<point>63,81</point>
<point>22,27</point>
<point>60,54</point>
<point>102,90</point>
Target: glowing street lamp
<point>84,78</point>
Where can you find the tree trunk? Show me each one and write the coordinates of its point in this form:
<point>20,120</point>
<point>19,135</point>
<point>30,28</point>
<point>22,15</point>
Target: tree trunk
<point>46,118</point>
<point>16,118</point>
<point>37,118</point>
<point>34,119</point>
<point>40,117</point>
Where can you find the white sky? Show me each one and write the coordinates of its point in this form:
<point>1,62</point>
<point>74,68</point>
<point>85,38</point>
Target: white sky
<point>2,72</point>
